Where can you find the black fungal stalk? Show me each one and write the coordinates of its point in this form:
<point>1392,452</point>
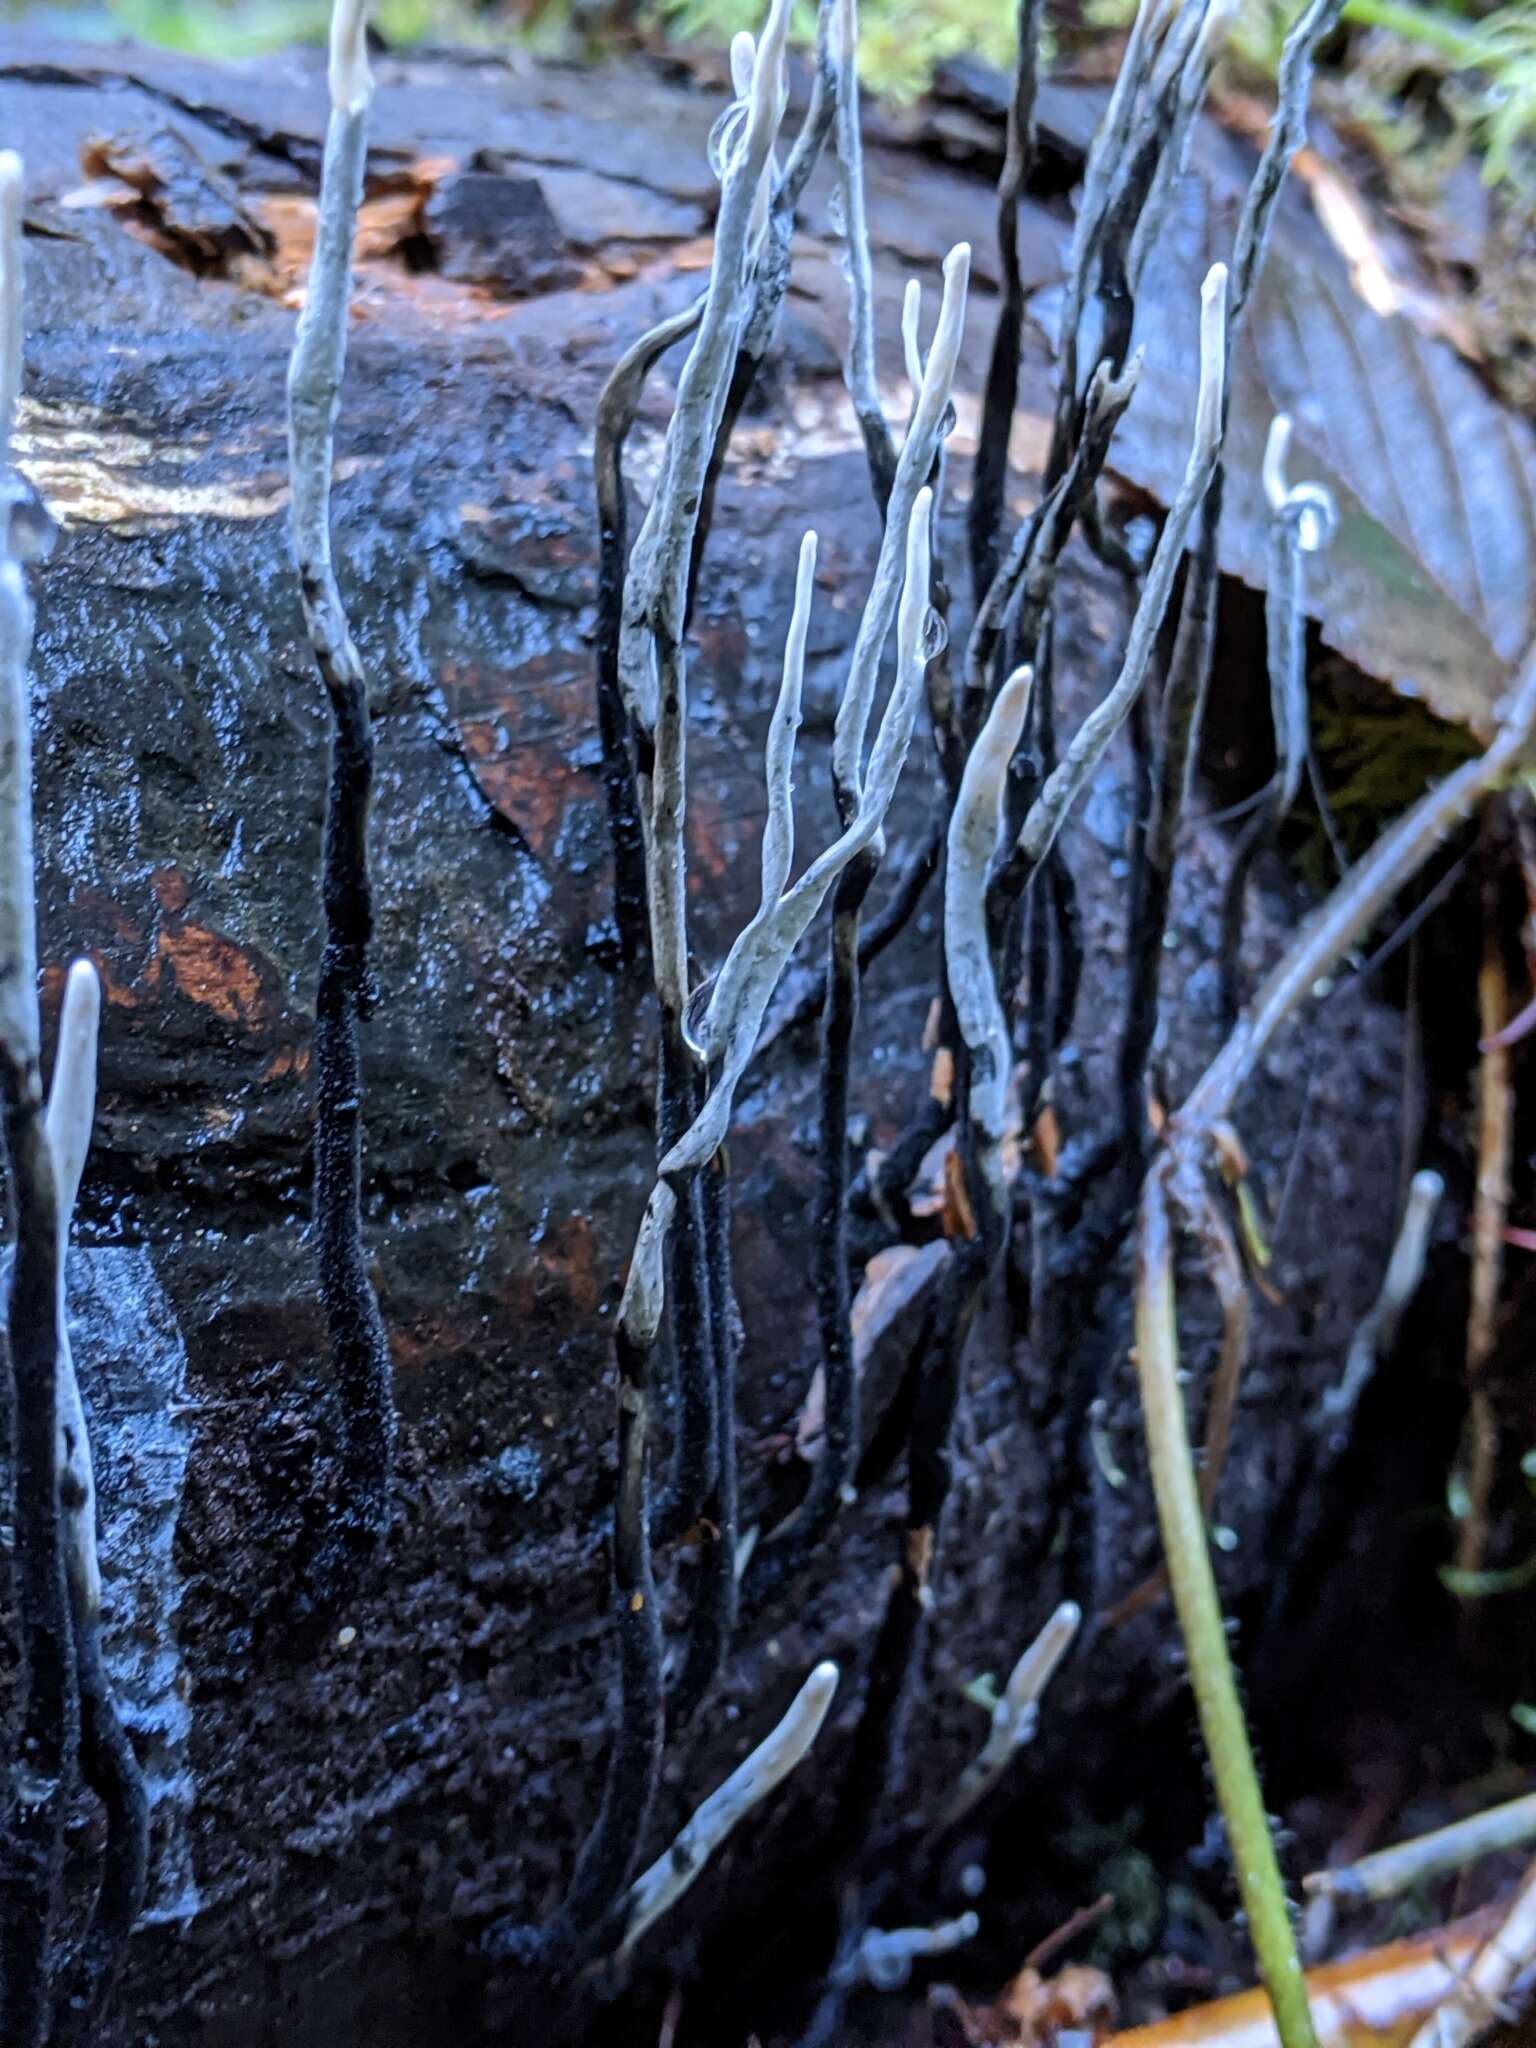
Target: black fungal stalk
<point>111,1770</point>
<point>681,1264</point>
<point>1176,744</point>
<point>1009,779</point>
<point>365,1415</point>
<point>989,480</point>
<point>616,412</point>
<point>712,1620</point>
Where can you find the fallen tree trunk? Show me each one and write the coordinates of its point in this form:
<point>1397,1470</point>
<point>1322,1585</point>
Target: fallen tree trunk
<point>341,1813</point>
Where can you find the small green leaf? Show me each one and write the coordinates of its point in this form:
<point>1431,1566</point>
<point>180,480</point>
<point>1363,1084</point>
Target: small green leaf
<point>981,1691</point>
<point>1254,1241</point>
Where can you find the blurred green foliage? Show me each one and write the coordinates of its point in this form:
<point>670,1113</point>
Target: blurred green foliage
<point>900,41</point>
<point>1481,52</point>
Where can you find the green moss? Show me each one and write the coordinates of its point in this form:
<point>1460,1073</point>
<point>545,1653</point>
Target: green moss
<point>1376,754</point>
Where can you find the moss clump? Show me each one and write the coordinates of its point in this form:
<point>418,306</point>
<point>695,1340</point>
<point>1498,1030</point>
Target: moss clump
<point>1376,754</point>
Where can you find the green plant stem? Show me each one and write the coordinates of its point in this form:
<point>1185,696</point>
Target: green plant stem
<point>1211,1675</point>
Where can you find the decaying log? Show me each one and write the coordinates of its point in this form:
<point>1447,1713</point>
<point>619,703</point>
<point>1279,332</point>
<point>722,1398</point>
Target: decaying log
<point>338,1817</point>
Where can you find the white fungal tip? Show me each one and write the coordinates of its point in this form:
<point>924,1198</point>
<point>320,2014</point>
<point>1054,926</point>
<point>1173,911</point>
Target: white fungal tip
<point>1068,1618</point>
<point>351,80</point>
<point>82,993</point>
<point>911,312</point>
<point>822,1683</point>
<point>807,566</point>
<point>957,264</point>
<point>72,1096</point>
<point>912,611</point>
<point>1013,702</point>
<point>10,177</point>
<point>1276,452</point>
<point>1428,1185</point>
<point>1213,355</point>
<point>987,763</point>
<point>743,62</point>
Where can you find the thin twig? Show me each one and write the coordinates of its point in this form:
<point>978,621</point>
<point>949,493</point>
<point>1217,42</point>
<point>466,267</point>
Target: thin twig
<point>1179,1176</point>
<point>1490,1210</point>
<point>1477,2003</point>
<point>1406,1865</point>
<point>1359,901</point>
<point>1378,1328</point>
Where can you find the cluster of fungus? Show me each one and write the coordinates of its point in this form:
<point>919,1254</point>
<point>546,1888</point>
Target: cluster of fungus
<point>1006,775</point>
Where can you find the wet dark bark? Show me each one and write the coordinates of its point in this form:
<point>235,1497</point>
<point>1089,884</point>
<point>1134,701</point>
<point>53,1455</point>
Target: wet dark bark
<point>365,1809</point>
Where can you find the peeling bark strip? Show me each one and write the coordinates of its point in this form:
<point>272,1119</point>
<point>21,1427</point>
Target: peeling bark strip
<point>366,1419</point>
